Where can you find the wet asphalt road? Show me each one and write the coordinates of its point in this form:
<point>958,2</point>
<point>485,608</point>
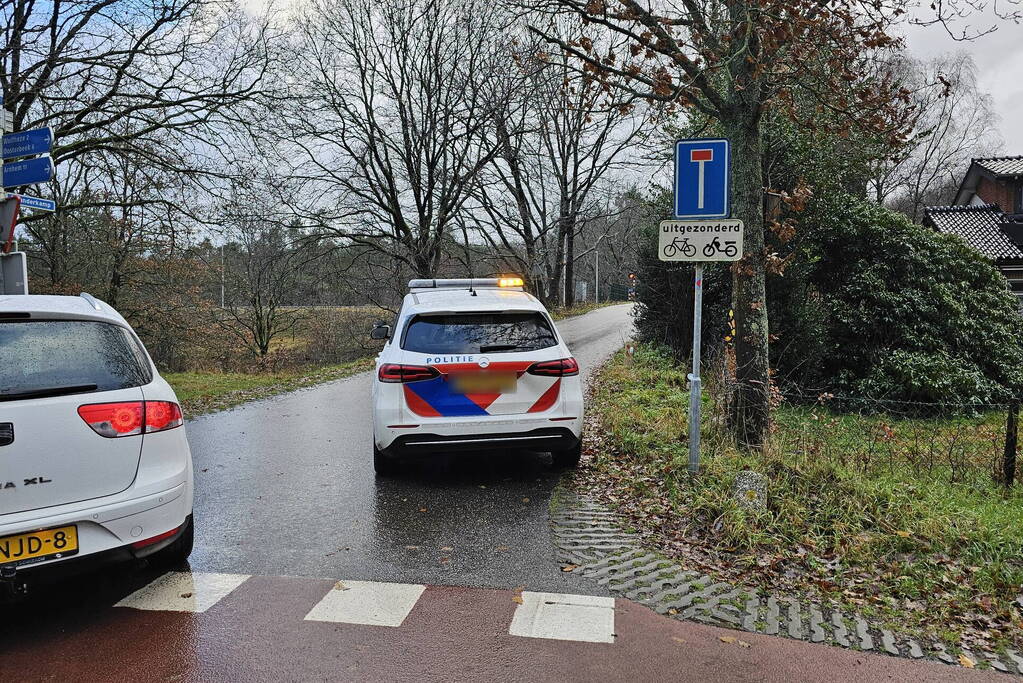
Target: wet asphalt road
<point>286,486</point>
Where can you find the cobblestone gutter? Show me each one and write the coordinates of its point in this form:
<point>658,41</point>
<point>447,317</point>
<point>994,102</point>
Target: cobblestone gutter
<point>589,535</point>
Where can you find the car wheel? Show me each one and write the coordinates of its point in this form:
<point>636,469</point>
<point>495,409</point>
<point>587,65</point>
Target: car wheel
<point>568,458</point>
<point>176,553</point>
<point>385,465</point>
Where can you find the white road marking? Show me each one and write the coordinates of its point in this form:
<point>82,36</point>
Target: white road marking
<point>565,617</point>
<point>367,602</point>
<point>184,592</point>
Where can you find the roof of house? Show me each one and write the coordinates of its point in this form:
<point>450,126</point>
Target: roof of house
<point>1002,166</point>
<point>979,226</point>
<point>992,167</point>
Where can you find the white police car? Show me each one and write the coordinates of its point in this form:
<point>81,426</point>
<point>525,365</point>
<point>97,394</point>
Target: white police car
<point>94,463</point>
<point>474,365</point>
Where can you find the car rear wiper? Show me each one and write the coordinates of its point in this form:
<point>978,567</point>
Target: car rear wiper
<point>499,347</point>
<point>48,391</point>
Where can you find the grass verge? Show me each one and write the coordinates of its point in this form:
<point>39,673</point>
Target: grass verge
<point>206,392</point>
<point>580,309</point>
<point>936,551</point>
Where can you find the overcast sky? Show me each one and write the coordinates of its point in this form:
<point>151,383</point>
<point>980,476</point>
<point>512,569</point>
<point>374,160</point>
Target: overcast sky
<point>999,59</point>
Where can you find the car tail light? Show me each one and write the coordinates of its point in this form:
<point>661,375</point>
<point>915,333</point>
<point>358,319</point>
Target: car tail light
<point>129,418</point>
<point>401,373</point>
<point>162,415</point>
<point>555,368</point>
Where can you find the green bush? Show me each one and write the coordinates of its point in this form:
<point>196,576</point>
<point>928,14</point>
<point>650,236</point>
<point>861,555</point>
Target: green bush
<point>876,306</point>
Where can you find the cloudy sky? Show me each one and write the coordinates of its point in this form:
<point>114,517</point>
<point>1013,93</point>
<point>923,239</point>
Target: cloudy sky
<point>999,59</point>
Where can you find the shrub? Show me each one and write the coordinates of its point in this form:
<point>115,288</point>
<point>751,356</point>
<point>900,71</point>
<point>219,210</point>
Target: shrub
<point>874,305</point>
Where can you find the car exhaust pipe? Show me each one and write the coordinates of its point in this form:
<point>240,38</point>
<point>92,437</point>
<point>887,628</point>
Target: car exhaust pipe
<point>9,578</point>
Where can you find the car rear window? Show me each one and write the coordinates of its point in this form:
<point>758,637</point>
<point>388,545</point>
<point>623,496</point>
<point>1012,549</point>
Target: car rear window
<point>478,333</point>
<point>50,354</point>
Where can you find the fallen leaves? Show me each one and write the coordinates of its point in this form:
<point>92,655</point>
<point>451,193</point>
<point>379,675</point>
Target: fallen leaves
<point>186,595</point>
<point>339,586</point>
<point>966,662</point>
<point>903,534</point>
<point>733,640</point>
<point>569,567</point>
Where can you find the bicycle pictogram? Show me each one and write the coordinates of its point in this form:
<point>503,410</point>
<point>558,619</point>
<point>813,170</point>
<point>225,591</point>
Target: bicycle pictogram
<point>677,245</point>
<point>714,247</point>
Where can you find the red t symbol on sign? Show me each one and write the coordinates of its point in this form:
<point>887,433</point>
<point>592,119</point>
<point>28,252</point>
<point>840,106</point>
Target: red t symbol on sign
<point>700,156</point>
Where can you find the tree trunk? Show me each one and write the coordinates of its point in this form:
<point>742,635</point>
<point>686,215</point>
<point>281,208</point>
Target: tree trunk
<point>750,413</point>
<point>570,267</point>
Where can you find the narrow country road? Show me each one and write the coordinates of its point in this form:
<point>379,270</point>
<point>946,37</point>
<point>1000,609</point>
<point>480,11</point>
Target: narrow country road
<point>309,568</point>
<point>286,486</point>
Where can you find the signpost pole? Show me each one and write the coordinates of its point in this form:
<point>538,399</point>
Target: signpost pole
<point>694,378</point>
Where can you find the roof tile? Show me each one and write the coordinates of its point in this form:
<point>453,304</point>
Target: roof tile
<point>979,226</point>
<point>1002,166</point>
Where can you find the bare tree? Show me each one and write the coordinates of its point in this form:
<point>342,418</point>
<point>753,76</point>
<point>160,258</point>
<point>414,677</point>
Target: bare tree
<point>564,137</point>
<point>159,84</point>
<point>260,270</point>
<point>955,122</point>
<point>393,117</point>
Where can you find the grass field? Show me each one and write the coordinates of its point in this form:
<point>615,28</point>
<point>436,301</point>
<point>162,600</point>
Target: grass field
<point>203,392</point>
<point>897,518</point>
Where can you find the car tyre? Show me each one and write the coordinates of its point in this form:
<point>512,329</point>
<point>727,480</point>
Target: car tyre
<point>568,458</point>
<point>385,465</point>
<point>176,554</point>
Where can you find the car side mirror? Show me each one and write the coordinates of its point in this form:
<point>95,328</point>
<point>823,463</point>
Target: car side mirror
<point>381,332</point>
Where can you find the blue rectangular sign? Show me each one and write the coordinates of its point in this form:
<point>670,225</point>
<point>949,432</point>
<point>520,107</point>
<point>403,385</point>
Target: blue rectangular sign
<point>28,172</point>
<point>27,143</point>
<point>702,178</point>
<point>29,202</point>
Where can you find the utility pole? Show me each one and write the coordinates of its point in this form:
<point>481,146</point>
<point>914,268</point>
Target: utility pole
<point>596,278</point>
<point>222,264</point>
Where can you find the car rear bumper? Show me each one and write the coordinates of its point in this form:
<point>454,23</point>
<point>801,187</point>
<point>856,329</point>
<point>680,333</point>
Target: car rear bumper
<point>52,572</point>
<point>109,529</point>
<point>545,439</point>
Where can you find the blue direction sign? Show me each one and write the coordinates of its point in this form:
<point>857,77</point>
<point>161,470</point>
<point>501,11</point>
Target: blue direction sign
<point>38,203</point>
<point>702,178</point>
<point>28,172</point>
<point>27,143</point>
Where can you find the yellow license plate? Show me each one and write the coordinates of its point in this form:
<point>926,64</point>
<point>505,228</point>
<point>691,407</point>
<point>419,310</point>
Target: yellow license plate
<point>485,383</point>
<point>39,545</point>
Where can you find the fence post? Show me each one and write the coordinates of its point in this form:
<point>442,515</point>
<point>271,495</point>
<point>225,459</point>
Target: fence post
<point>1011,430</point>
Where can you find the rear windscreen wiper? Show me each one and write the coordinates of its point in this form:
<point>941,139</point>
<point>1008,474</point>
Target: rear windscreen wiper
<point>48,391</point>
<point>498,347</point>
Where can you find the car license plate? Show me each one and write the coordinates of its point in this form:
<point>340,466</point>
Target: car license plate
<point>485,383</point>
<point>38,546</point>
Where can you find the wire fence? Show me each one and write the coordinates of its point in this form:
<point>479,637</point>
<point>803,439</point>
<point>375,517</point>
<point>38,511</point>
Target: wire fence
<point>973,443</point>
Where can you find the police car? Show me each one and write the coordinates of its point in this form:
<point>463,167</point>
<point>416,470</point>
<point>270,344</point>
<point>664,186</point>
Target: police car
<point>94,463</point>
<point>474,365</point>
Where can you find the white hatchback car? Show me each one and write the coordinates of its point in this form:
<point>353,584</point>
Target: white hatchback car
<point>94,463</point>
<point>474,365</point>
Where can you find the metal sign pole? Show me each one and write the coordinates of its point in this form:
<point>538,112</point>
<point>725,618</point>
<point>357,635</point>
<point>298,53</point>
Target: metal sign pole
<point>694,377</point>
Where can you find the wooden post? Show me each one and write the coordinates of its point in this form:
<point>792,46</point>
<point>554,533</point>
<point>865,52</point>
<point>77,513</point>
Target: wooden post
<point>1011,432</point>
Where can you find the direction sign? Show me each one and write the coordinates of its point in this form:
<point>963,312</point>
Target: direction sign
<point>702,178</point>
<point>27,143</point>
<point>28,172</point>
<point>700,240</point>
<point>6,120</point>
<point>37,203</point>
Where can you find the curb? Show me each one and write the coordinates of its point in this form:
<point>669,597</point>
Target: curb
<point>590,535</point>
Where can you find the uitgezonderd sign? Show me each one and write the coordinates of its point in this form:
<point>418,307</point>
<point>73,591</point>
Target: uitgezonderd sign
<point>717,240</point>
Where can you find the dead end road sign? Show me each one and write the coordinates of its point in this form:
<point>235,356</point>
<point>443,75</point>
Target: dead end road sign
<point>702,178</point>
